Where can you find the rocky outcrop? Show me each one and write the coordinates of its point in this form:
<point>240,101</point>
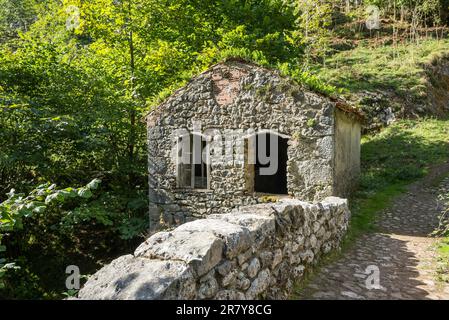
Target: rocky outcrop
<point>382,107</point>
<point>438,86</point>
<point>258,251</point>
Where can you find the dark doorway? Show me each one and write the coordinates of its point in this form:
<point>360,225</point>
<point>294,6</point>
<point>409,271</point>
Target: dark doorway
<point>275,183</point>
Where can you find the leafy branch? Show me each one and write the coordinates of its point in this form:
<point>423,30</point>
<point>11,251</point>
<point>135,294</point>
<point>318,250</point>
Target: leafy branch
<point>19,206</point>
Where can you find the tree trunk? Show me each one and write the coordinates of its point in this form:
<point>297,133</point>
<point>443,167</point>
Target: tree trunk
<point>132,113</point>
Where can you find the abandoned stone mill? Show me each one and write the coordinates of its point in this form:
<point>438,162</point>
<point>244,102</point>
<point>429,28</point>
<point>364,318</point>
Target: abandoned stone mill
<point>221,227</point>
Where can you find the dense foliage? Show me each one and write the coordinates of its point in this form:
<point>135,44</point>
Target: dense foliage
<point>76,78</point>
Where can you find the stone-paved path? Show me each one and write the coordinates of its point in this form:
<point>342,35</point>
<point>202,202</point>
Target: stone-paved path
<point>401,249</point>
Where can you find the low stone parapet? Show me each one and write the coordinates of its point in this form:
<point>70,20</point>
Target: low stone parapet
<point>254,252</point>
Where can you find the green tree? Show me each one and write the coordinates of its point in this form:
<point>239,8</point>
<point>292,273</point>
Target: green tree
<point>313,30</point>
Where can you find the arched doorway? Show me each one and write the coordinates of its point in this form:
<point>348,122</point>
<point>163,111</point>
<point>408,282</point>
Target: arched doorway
<point>269,172</point>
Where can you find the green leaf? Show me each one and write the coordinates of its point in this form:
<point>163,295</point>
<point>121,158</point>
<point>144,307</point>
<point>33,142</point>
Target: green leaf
<point>30,205</point>
<point>68,193</point>
<point>93,184</point>
<point>39,209</point>
<point>57,196</point>
<point>41,192</point>
<point>11,265</point>
<point>25,212</point>
<point>2,249</point>
<point>84,193</point>
<point>11,193</point>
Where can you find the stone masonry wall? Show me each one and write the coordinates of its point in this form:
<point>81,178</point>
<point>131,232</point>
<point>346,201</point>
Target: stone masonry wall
<point>347,155</point>
<point>255,252</point>
<point>231,96</point>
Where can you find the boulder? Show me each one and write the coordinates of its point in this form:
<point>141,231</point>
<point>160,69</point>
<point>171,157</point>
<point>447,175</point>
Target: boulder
<point>201,250</point>
<point>236,238</point>
<point>130,278</point>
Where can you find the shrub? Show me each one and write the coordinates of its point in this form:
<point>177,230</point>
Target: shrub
<point>43,232</point>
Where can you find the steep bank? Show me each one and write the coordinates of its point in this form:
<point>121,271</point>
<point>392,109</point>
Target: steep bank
<point>438,86</point>
<point>394,81</point>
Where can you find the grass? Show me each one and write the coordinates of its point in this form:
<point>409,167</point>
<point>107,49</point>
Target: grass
<point>399,68</point>
<point>391,160</point>
<point>442,247</point>
<point>443,261</point>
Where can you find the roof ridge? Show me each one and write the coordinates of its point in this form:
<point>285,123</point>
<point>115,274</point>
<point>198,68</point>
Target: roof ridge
<point>339,102</point>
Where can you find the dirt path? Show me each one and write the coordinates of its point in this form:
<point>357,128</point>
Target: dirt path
<point>400,252</point>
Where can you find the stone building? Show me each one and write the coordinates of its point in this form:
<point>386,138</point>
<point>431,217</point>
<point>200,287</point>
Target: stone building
<point>227,118</point>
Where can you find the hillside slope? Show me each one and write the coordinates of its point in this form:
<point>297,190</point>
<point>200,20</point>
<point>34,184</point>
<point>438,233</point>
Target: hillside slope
<point>398,69</point>
<point>392,81</point>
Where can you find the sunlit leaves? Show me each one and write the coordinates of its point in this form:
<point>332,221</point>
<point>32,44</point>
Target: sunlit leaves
<point>93,184</point>
<point>20,206</point>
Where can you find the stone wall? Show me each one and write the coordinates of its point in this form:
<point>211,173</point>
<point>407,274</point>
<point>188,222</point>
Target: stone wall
<point>347,154</point>
<point>256,252</point>
<point>232,96</point>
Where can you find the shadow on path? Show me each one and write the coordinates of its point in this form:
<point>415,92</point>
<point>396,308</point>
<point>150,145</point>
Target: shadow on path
<point>400,253</point>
